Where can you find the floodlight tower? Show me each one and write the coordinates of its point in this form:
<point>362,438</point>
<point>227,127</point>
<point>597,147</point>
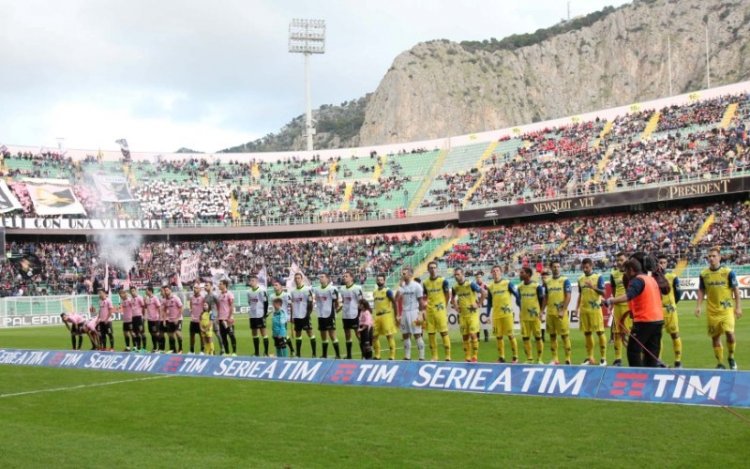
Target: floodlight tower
<point>307,37</point>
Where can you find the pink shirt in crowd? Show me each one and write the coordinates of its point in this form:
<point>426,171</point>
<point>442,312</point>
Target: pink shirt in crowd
<point>226,303</point>
<point>196,307</point>
<point>153,305</point>
<point>105,310</point>
<point>173,308</point>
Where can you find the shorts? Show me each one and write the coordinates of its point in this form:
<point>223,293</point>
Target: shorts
<point>154,327</point>
<point>502,324</point>
<point>350,323</point>
<point>437,321</point>
<point>257,323</point>
<point>171,327</point>
<point>127,327</point>
<point>179,324</point>
<point>195,328</point>
<point>469,323</point>
<point>302,324</point>
<point>76,329</point>
<point>104,328</point>
<point>617,325</point>
<point>531,328</point>
<point>138,324</point>
<point>228,329</point>
<point>718,325</point>
<point>407,325</point>
<point>557,325</point>
<point>327,324</point>
<point>385,324</point>
<point>592,322</point>
<point>671,323</point>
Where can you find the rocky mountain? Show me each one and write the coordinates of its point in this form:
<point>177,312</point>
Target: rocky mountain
<point>608,58</point>
<point>441,88</point>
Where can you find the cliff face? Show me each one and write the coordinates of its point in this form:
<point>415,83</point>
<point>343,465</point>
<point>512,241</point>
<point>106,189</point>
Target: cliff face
<point>441,88</point>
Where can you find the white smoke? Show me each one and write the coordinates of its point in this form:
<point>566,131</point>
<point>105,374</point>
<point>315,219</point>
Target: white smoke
<point>118,249</point>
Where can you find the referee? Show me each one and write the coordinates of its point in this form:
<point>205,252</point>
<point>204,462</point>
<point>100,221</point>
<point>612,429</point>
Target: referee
<point>644,301</point>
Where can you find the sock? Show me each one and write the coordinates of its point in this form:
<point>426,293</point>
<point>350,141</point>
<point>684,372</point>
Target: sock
<point>349,349</point>
<point>553,348</point>
<point>514,346</point>
<point>447,346</point>
<point>568,348</point>
<point>501,348</point>
<point>313,345</point>
<point>475,348</point>
<point>618,347</point>
<point>433,347</point>
<point>589,347</point>
<point>376,348</point>
<point>730,348</point>
<point>678,349</point>
<point>392,348</point>
<point>289,345</point>
<point>299,346</point>
<point>73,341</point>
<point>256,346</point>
<point>527,347</point>
<point>172,344</point>
<point>127,342</point>
<point>80,342</point>
<point>336,348</point>
<point>407,349</point>
<point>325,349</point>
<point>265,345</point>
<point>111,340</point>
<point>233,339</point>
<point>192,345</point>
<point>539,348</point>
<point>602,346</point>
<point>420,347</point>
<point>179,343</point>
<point>467,349</point>
<point>486,335</point>
<point>154,342</point>
<point>137,341</point>
<point>162,343</point>
<point>719,353</point>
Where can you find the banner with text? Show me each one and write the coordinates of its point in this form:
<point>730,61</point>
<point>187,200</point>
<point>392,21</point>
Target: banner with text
<point>78,224</point>
<point>189,268</point>
<point>683,386</point>
<point>610,199</point>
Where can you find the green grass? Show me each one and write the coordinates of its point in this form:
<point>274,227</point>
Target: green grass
<point>207,422</point>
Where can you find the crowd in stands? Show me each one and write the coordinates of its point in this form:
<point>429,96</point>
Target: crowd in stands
<point>77,268</point>
<point>577,159</point>
<point>667,232</point>
<point>184,201</point>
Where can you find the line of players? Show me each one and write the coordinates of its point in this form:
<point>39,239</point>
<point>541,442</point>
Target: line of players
<point>416,307</point>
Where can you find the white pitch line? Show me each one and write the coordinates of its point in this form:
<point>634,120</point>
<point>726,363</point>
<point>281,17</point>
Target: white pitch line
<point>84,386</point>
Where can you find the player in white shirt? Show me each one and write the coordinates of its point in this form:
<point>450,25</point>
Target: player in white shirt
<point>411,317</point>
<point>257,300</point>
<point>350,295</point>
<point>301,298</point>
<point>326,304</point>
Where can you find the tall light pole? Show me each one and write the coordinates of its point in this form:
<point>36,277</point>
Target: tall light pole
<point>708,62</point>
<point>307,37</point>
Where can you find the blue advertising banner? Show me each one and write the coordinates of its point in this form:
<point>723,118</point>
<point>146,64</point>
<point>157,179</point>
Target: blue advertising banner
<point>683,386</point>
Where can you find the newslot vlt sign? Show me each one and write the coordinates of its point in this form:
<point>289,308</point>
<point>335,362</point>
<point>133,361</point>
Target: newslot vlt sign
<point>683,386</point>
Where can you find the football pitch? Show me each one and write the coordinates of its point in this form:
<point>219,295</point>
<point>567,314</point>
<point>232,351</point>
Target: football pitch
<point>81,418</point>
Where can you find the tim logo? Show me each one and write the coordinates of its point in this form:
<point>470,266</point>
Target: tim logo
<point>56,359</point>
<point>173,364</point>
<point>344,372</point>
<point>629,384</point>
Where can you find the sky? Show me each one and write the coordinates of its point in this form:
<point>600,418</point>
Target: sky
<point>208,75</point>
